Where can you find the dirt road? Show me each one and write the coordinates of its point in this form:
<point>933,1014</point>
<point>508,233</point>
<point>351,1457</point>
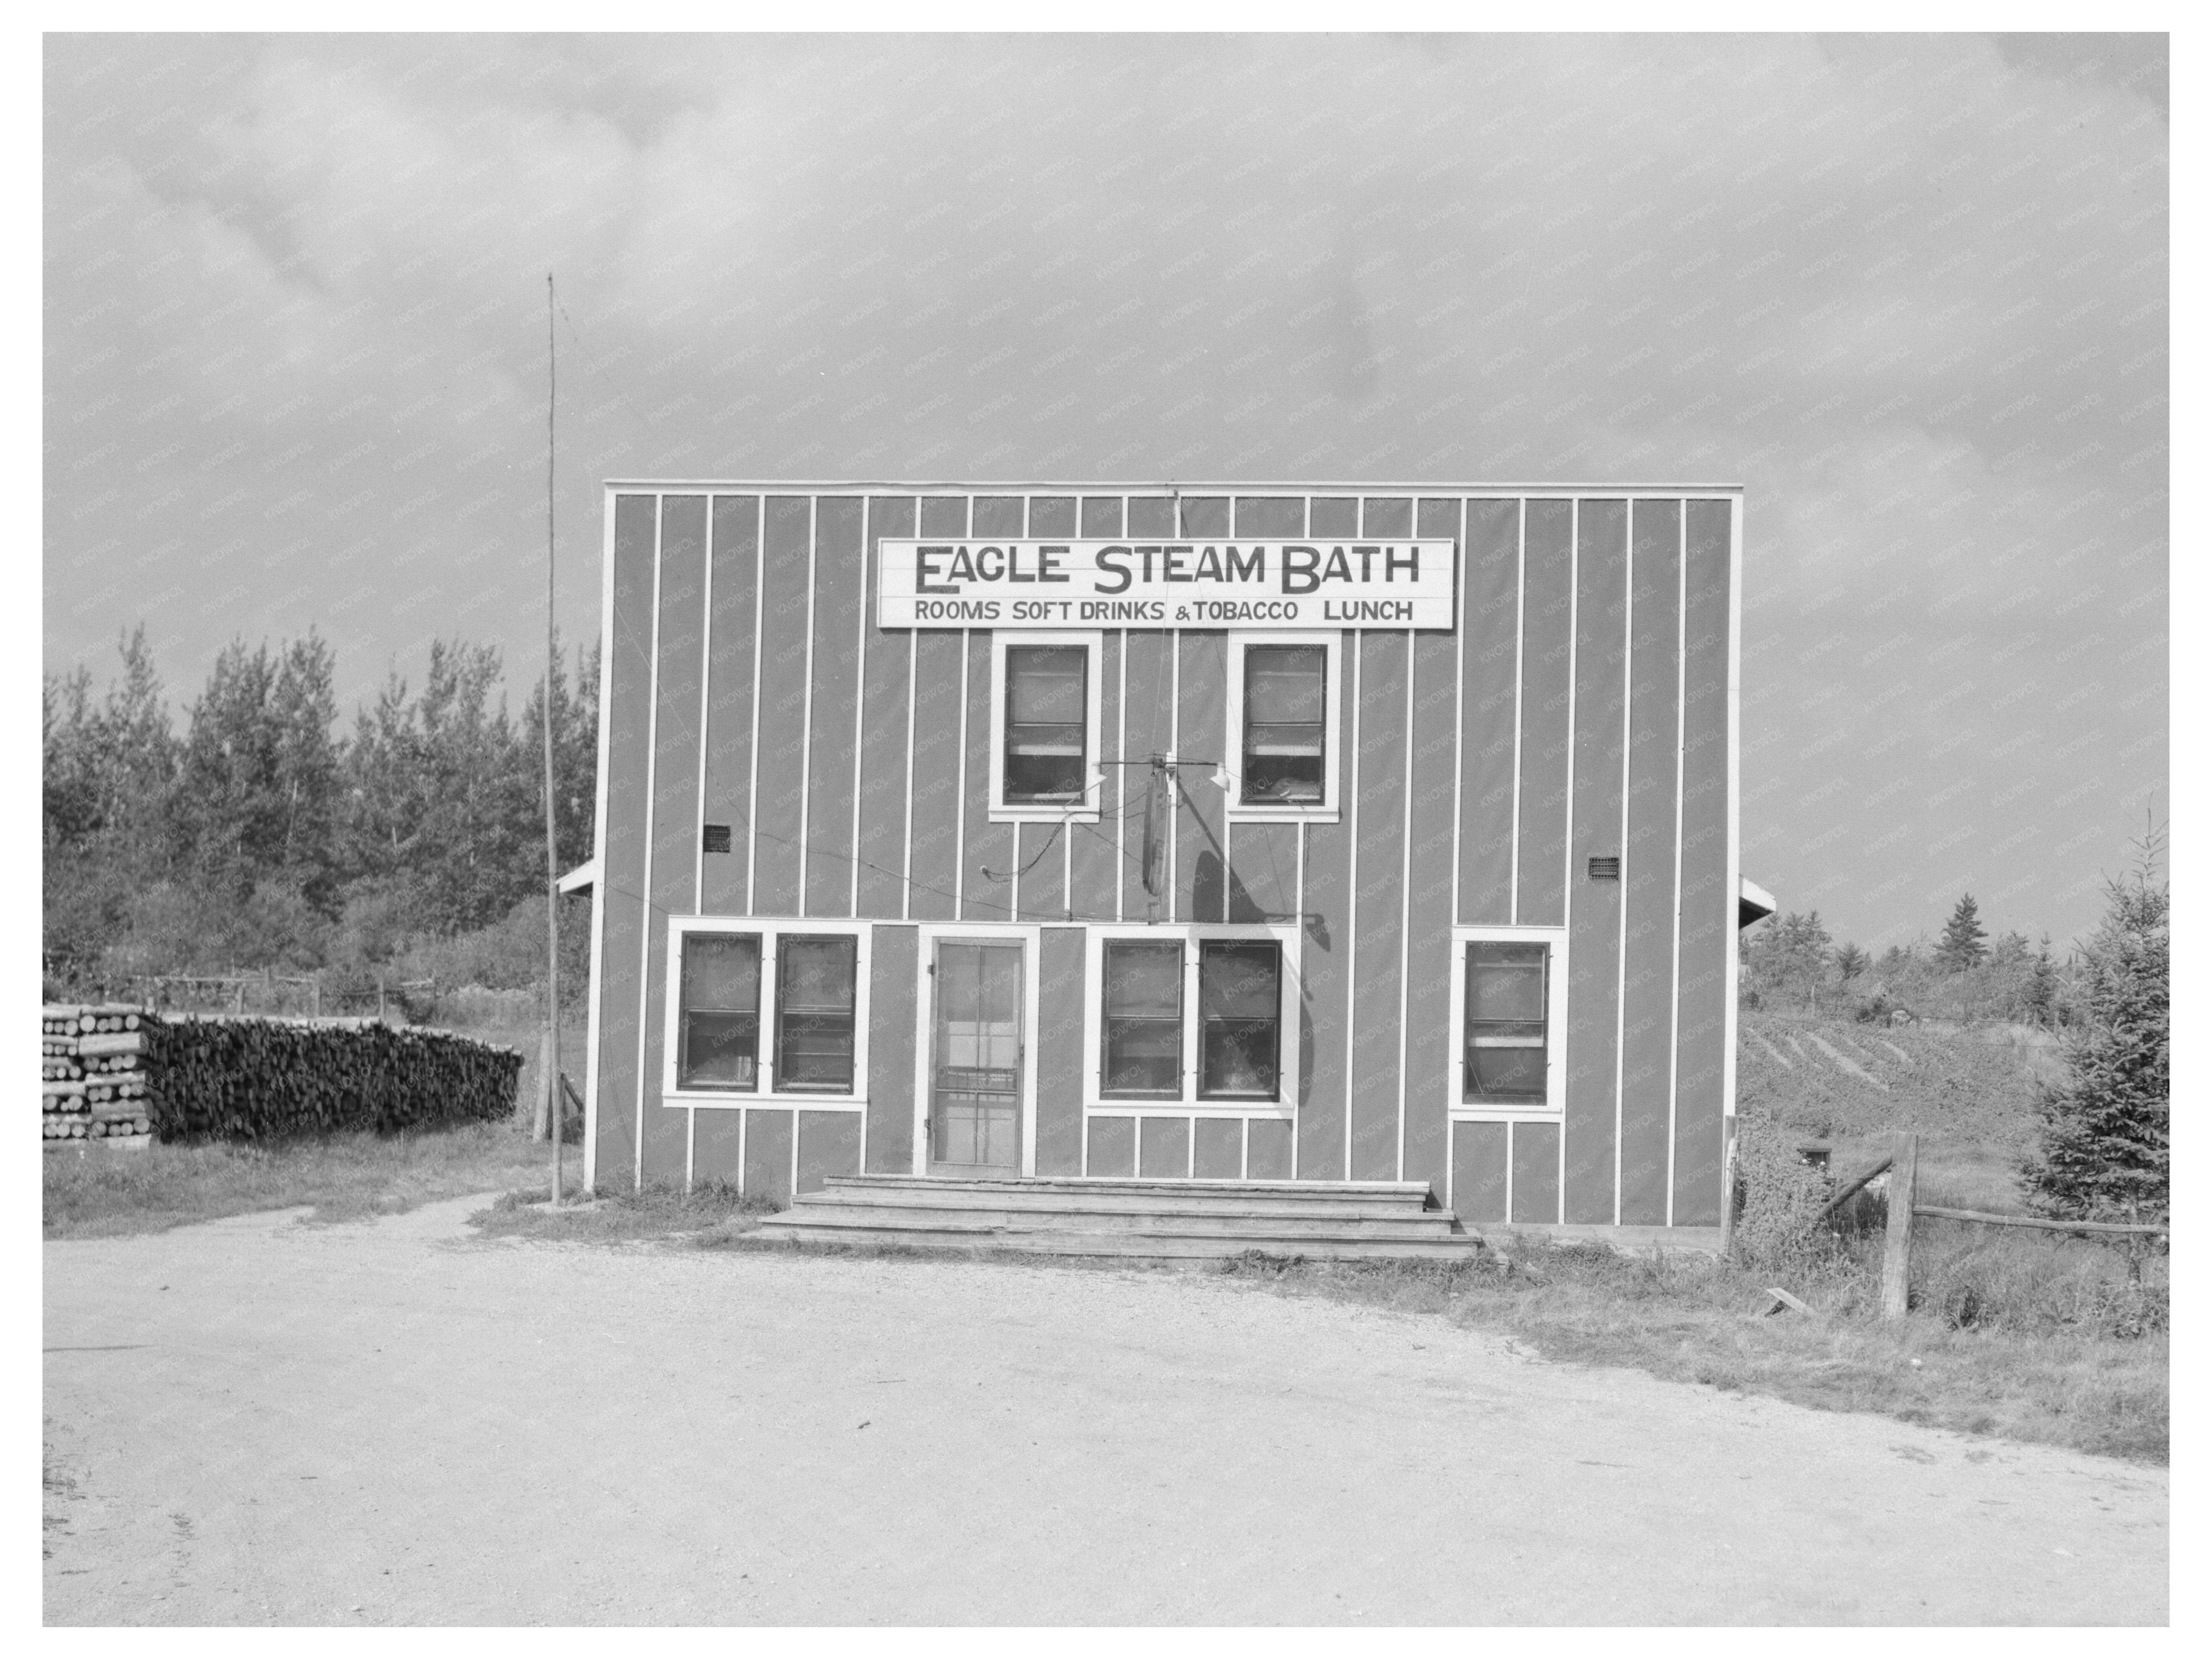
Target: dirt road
<point>259,1421</point>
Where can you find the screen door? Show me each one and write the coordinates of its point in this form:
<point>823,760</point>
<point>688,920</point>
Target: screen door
<point>975,1089</point>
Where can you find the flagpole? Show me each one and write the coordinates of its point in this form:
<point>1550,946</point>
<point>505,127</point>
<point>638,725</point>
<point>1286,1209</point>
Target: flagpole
<point>555,1102</point>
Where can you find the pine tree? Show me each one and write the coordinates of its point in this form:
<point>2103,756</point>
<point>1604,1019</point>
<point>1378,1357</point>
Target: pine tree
<point>1962,945</point>
<point>1850,962</point>
<point>2104,1147</point>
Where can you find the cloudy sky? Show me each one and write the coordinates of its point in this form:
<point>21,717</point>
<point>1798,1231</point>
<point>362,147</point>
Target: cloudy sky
<point>1912,291</point>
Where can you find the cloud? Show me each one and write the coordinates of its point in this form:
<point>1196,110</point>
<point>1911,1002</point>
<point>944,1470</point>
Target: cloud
<point>1910,291</point>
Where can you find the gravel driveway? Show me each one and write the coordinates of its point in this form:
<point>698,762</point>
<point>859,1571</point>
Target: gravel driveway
<point>260,1421</point>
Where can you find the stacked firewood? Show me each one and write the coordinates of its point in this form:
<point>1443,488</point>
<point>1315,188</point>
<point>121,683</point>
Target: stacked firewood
<point>97,1072</point>
<point>112,1071</point>
<point>249,1078</point>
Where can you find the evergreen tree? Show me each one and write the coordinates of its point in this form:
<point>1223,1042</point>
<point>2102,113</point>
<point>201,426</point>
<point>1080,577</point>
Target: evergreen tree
<point>2103,1147</point>
<point>2039,996</point>
<point>1962,945</point>
<point>1851,962</point>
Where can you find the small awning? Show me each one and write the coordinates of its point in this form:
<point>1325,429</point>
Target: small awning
<point>1753,902</point>
<point>585,876</point>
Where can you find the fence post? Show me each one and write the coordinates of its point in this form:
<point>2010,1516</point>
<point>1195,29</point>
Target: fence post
<point>1728,1182</point>
<point>542,1109</point>
<point>1897,1238</point>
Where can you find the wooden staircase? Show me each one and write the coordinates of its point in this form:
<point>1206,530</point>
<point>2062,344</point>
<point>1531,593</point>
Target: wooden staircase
<point>1068,1216</point>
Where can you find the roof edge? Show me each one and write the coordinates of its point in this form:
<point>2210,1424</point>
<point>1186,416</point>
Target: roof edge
<point>1209,486</point>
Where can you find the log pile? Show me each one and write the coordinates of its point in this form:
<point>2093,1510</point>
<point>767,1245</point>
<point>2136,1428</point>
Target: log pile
<point>114,1071</point>
<point>95,1076</point>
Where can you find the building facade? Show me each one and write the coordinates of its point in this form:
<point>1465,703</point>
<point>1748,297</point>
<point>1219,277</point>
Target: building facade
<point>1243,832</point>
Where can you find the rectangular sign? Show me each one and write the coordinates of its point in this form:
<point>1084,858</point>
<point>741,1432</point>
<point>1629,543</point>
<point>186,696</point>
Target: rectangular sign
<point>1314,583</point>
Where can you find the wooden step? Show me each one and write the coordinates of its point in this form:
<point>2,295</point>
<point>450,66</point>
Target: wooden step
<point>790,1228</point>
<point>1072,1215</point>
<point>1043,1193</point>
<point>960,1195</point>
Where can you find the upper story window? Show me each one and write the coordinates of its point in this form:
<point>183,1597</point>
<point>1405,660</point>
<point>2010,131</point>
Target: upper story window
<point>1045,739</point>
<point>1044,726</point>
<point>1285,701</point>
<point>1285,695</point>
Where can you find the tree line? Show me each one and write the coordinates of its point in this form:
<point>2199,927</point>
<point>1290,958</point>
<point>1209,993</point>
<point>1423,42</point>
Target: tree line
<point>262,835</point>
<point>1793,962</point>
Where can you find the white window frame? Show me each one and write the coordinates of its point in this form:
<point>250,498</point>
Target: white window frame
<point>1232,759</point>
<point>1190,1102</point>
<point>1093,736</point>
<point>1555,1024</point>
<point>773,930</point>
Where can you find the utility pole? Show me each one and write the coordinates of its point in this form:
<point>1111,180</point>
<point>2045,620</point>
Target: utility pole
<point>553,1101</point>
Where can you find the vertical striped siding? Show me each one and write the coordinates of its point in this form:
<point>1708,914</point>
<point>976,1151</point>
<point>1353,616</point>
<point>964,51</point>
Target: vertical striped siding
<point>1325,984</point>
<point>828,1143</point>
<point>1546,656</point>
<point>981,843</point>
<point>1594,912</point>
<point>935,851</point>
<point>1491,580</point>
<point>1708,941</point>
<point>776,857</point>
<point>716,1149</point>
<point>680,656</point>
<point>626,679</point>
<point>1201,681</point>
<point>1648,866</point>
<point>1058,1056</point>
<point>729,734</point>
<point>1263,872</point>
<point>1377,925</point>
<point>883,767</point>
<point>839,565</point>
<point>1426,1037</point>
<point>834,703</point>
<point>768,1131</point>
<point>894,1029</point>
<point>1479,1155</point>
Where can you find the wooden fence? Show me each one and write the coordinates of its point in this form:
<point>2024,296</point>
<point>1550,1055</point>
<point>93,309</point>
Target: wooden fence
<point>1903,1165</point>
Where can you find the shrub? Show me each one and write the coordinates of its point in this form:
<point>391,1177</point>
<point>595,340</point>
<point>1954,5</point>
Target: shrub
<point>2103,1146</point>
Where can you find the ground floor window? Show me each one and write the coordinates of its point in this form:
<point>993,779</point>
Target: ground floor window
<point>1193,1015</point>
<point>767,1009</point>
<point>1509,1008</point>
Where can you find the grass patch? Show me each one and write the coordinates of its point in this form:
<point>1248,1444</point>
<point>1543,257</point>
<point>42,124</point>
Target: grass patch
<point>710,1214</point>
<point>105,1193</point>
<point>1694,1318</point>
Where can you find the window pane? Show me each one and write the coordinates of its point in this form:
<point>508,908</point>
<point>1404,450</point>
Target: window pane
<point>1505,1016</point>
<point>1284,684</point>
<point>721,971</point>
<point>1238,996</point>
<point>819,973</point>
<point>1514,1074</point>
<point>1236,982</point>
<point>1238,1059</point>
<point>1045,717</point>
<point>816,986</point>
<point>718,1030</point>
<point>1143,982</point>
<point>1143,1057</point>
<point>1505,981</point>
<point>718,1051</point>
<point>1044,685</point>
<point>1284,722</point>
